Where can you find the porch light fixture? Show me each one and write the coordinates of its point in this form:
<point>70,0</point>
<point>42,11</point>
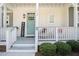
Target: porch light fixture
<point>23,15</point>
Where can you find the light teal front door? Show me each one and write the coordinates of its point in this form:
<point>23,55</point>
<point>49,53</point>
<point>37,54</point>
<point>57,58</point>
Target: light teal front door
<point>31,24</point>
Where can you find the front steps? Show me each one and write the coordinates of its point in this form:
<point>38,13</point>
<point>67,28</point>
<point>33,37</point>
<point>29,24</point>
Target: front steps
<point>23,46</point>
<point>20,50</point>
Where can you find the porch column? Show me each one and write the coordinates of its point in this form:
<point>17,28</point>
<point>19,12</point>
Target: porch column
<point>75,15</point>
<point>75,18</point>
<point>36,26</point>
<point>4,15</point>
<point>0,15</point>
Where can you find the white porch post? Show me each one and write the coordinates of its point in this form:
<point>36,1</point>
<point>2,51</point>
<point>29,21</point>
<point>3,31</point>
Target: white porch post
<point>56,34</point>
<point>75,18</point>
<point>36,26</point>
<point>4,15</point>
<point>0,16</point>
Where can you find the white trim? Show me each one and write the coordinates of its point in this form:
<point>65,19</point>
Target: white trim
<point>5,15</point>
<point>36,26</point>
<point>68,16</point>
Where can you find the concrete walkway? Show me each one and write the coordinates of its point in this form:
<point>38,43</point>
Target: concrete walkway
<point>17,53</point>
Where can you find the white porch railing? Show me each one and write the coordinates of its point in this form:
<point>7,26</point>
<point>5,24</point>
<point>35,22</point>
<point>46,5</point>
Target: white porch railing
<point>2,34</point>
<point>57,33</point>
<point>8,35</point>
<point>11,37</point>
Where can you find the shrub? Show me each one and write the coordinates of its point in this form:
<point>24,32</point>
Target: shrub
<point>47,49</point>
<point>63,48</point>
<point>74,45</point>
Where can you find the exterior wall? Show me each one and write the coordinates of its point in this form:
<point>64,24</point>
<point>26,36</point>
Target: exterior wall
<point>0,17</point>
<point>18,12</point>
<point>60,14</point>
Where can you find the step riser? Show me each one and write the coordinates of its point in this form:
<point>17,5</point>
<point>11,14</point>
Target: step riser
<point>21,51</point>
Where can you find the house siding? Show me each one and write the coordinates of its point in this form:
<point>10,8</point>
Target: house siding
<point>58,12</point>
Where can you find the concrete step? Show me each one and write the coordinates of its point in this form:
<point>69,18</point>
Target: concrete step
<point>23,45</point>
<point>22,48</point>
<point>24,40</point>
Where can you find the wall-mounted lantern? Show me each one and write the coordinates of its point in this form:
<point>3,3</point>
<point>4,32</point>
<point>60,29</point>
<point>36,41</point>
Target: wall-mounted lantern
<point>24,16</point>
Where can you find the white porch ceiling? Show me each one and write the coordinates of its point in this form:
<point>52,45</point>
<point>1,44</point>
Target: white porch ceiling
<point>44,4</point>
<point>56,4</point>
<point>20,4</point>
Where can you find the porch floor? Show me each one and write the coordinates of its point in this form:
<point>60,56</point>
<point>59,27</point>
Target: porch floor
<point>25,40</point>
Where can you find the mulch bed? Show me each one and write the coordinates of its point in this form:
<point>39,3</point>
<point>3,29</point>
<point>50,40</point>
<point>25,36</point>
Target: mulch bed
<point>38,54</point>
<point>2,48</point>
<point>75,54</point>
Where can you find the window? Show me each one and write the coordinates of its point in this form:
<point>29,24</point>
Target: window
<point>51,19</point>
<point>31,16</point>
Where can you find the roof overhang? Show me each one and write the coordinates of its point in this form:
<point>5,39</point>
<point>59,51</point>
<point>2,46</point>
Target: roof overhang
<point>40,1</point>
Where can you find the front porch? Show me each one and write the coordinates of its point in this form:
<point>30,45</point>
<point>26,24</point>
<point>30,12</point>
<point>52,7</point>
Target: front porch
<point>51,23</point>
<point>57,22</point>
